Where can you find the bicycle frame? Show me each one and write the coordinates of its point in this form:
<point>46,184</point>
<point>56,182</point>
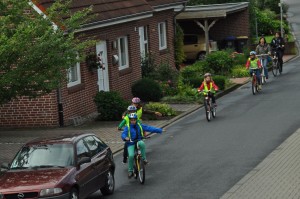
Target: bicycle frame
<point>209,109</point>
<point>254,81</point>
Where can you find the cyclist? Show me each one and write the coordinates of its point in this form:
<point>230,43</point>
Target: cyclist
<point>125,121</point>
<point>137,103</point>
<point>209,88</point>
<point>277,45</point>
<point>253,63</point>
<point>135,131</point>
<point>263,48</point>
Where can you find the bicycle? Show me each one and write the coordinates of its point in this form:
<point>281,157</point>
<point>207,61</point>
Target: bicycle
<point>263,76</point>
<point>254,82</point>
<point>210,110</point>
<point>275,64</point>
<point>138,163</point>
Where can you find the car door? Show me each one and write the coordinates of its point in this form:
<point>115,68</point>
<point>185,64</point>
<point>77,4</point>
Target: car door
<point>190,47</point>
<point>85,173</point>
<point>99,158</point>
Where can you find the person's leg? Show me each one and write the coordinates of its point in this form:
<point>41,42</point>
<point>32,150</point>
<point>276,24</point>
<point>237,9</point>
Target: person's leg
<point>142,146</point>
<point>265,65</point>
<point>130,157</point>
<point>125,153</point>
<point>280,55</point>
<point>258,77</point>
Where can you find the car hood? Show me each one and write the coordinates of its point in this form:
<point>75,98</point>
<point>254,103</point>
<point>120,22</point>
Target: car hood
<point>25,180</point>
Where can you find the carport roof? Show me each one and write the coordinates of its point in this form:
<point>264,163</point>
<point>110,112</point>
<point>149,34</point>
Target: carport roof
<point>211,11</point>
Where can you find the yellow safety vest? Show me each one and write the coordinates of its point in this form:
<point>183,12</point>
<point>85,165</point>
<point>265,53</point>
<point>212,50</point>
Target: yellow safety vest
<point>141,128</point>
<point>139,113</point>
<point>206,88</point>
<point>253,63</point>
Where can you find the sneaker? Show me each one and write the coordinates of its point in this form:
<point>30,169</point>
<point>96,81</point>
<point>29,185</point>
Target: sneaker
<point>215,104</point>
<point>130,174</point>
<point>146,162</point>
<point>124,160</point>
<point>259,87</point>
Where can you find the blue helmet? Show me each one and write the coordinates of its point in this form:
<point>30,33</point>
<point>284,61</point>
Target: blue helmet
<point>252,53</point>
<point>131,108</point>
<point>132,116</point>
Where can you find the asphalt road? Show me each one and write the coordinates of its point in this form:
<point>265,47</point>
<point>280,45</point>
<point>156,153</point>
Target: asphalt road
<point>197,159</point>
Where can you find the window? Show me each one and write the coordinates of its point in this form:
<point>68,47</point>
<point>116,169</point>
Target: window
<point>143,33</point>
<point>162,33</point>
<point>94,145</point>
<point>123,52</point>
<point>82,150</point>
<point>190,39</point>
<point>74,77</point>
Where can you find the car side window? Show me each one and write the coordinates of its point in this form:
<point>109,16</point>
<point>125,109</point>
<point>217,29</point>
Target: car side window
<point>82,150</point>
<point>190,39</point>
<point>95,145</point>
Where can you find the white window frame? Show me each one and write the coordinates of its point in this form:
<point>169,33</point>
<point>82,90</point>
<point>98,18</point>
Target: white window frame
<point>76,82</point>
<point>164,25</point>
<point>121,67</point>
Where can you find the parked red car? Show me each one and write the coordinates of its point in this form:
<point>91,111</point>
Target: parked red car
<point>69,167</point>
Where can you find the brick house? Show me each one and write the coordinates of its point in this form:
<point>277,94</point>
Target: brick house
<point>125,31</point>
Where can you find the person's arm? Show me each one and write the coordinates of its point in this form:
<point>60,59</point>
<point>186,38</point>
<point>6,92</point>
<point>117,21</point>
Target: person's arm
<point>124,114</point>
<point>151,129</point>
<point>124,135</point>
<point>216,88</point>
<point>122,124</point>
<point>201,87</point>
<point>259,63</point>
<point>151,112</point>
<point>247,63</point>
<point>257,49</point>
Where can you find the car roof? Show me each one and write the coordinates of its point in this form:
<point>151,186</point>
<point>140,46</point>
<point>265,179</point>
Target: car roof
<point>71,138</point>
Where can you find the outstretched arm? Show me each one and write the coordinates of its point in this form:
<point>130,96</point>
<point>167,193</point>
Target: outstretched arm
<point>151,129</point>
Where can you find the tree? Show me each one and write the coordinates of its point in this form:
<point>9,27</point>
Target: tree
<point>34,54</point>
<point>179,53</point>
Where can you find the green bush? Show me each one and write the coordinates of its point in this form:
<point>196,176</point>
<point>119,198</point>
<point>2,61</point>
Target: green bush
<point>239,59</point>
<point>220,62</point>
<point>193,75</point>
<point>179,53</point>
<point>148,65</point>
<point>164,109</point>
<point>181,99</point>
<point>110,105</point>
<point>164,72</point>
<point>147,90</point>
<point>168,88</point>
<point>239,71</point>
<point>220,81</point>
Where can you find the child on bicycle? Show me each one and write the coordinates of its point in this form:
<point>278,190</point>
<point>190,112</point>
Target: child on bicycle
<point>253,63</point>
<point>140,110</point>
<point>125,121</point>
<point>208,87</point>
<point>136,131</point>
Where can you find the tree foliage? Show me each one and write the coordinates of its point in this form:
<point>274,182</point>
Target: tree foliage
<point>179,53</point>
<point>34,55</point>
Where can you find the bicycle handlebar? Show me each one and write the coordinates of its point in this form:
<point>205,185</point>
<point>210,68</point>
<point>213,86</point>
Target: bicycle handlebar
<point>260,55</point>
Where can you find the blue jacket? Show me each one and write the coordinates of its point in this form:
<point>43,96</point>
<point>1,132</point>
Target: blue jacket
<point>138,135</point>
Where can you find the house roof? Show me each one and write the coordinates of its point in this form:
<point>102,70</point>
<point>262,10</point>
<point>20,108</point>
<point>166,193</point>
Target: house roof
<point>109,12</point>
<point>212,11</point>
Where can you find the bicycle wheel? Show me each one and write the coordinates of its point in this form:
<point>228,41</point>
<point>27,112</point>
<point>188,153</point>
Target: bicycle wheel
<point>263,77</point>
<point>141,170</point>
<point>275,67</point>
<point>207,110</point>
<point>135,168</point>
<point>214,111</point>
<point>280,68</point>
<point>254,85</point>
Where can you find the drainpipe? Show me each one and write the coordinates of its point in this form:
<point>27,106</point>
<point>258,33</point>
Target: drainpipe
<point>60,108</point>
<point>174,21</point>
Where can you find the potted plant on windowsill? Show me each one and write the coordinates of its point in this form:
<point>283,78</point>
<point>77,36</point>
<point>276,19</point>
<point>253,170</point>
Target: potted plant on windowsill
<point>94,62</point>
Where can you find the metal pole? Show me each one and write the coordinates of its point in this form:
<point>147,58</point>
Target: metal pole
<point>281,25</point>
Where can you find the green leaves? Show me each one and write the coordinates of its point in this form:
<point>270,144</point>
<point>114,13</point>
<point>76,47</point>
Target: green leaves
<point>34,56</point>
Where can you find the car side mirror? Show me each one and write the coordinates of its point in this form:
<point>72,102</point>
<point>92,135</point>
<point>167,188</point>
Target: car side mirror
<point>84,160</point>
<point>4,167</point>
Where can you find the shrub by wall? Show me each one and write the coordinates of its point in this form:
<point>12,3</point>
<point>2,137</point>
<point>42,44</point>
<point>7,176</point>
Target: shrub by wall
<point>147,90</point>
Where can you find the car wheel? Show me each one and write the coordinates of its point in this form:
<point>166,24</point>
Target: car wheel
<point>73,194</point>
<point>201,56</point>
<point>109,186</point>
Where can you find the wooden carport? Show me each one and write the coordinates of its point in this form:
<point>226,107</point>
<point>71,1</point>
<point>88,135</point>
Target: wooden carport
<point>210,14</point>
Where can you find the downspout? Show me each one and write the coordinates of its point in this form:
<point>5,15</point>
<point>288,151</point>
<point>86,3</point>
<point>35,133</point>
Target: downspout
<point>174,22</point>
<point>60,108</point>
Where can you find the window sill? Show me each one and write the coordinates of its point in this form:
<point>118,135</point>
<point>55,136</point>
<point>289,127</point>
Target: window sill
<point>125,71</point>
<point>164,51</point>
<point>76,88</point>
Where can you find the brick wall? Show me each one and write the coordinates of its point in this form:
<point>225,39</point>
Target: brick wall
<point>78,100</point>
<point>30,112</point>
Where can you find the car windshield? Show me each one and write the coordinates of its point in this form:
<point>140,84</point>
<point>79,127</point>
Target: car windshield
<point>44,156</point>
